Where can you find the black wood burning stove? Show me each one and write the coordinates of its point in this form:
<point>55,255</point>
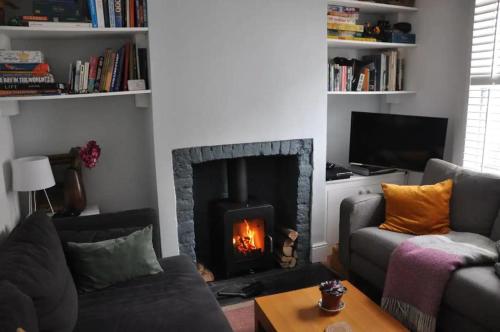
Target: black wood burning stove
<point>243,232</point>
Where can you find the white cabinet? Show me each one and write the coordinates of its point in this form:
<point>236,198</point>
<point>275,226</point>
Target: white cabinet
<point>337,190</point>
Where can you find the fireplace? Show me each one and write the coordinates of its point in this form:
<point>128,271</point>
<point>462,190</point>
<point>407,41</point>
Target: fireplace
<point>233,199</point>
<point>243,234</point>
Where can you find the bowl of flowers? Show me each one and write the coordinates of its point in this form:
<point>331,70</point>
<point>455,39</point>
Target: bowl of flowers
<point>331,295</point>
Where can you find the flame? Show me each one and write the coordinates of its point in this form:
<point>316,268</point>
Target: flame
<point>245,241</point>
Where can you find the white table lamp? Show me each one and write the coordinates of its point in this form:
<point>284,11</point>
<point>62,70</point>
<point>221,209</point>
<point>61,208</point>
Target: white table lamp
<point>32,174</point>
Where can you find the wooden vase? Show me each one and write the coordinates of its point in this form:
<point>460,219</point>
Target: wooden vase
<point>75,200</point>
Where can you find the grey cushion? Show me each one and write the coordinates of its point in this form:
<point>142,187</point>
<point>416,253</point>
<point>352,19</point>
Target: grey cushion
<point>33,260</point>
<point>438,170</point>
<point>474,292</point>
<point>475,201</point>
<point>98,265</point>
<point>376,244</point>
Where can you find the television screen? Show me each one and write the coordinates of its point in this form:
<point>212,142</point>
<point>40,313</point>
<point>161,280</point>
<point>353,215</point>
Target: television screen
<point>396,141</point>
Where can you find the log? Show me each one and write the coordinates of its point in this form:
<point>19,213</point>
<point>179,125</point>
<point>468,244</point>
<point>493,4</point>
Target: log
<point>287,251</point>
<point>205,273</point>
<point>293,262</point>
<point>282,258</point>
<point>290,233</point>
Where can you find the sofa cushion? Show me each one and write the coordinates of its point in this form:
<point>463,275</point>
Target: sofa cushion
<point>474,292</point>
<point>175,300</point>
<point>16,309</point>
<point>376,244</point>
<point>98,265</point>
<point>33,260</point>
<point>495,232</point>
<point>475,200</point>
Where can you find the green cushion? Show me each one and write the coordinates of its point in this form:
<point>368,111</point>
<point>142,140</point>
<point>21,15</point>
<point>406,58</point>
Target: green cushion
<point>98,265</point>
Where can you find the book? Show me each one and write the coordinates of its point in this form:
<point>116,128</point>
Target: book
<point>342,9</point>
<point>143,64</point>
<point>111,9</point>
<point>82,78</point>
<point>109,71</point>
<point>346,27</point>
<point>341,19</point>
<point>35,68</point>
<point>118,14</point>
<point>131,13</point>
<point>29,92</point>
<point>366,39</point>
<point>99,74</point>
<point>145,9</point>
<point>124,13</point>
<point>93,13</point>
<point>103,77</point>
<point>136,11</point>
<point>71,76</point>
<point>86,77</point>
<point>7,56</point>
<point>94,62</point>
<point>141,13</point>
<point>126,67</point>
<point>116,66</point>
<point>100,13</point>
<point>30,18</point>
<point>47,78</point>
<point>60,10</point>
<point>59,25</point>
<point>31,86</point>
<point>105,4</point>
<point>78,65</point>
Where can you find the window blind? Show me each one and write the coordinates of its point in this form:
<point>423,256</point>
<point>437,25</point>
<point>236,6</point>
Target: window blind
<point>482,136</point>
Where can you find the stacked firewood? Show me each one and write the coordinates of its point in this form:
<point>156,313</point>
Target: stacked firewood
<point>285,252</point>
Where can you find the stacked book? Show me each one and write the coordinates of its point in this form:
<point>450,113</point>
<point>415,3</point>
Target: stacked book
<point>343,24</point>
<point>118,13</point>
<point>380,72</point>
<point>25,73</point>
<point>125,69</point>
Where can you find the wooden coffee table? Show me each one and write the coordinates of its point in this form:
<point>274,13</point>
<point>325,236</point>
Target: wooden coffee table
<point>298,311</point>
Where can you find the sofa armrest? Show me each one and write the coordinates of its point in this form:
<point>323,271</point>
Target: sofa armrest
<point>357,212</point>
<point>106,226</point>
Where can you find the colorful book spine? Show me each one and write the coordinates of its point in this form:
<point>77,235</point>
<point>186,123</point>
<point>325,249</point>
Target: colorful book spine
<point>109,71</point>
<point>111,9</point>
<point>93,13</point>
<point>126,67</point>
<point>29,92</point>
<point>136,11</point>
<point>77,76</point>
<point>131,13</point>
<point>114,76</point>
<point>145,9</point>
<point>99,74</point>
<point>105,4</point>
<point>49,78</point>
<point>35,68</point>
<point>118,14</point>
<point>143,64</point>
<point>100,13</point>
<point>94,62</point>
<point>346,27</point>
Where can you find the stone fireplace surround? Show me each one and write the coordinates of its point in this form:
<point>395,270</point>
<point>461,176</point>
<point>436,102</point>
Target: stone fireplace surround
<point>183,160</point>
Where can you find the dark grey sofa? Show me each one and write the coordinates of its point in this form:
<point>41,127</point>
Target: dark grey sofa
<point>472,298</point>
<point>32,259</point>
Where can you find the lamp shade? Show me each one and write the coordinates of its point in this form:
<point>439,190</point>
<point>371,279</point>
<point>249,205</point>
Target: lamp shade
<point>32,174</point>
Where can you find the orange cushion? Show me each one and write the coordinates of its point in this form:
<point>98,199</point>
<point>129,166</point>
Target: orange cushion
<point>417,210</point>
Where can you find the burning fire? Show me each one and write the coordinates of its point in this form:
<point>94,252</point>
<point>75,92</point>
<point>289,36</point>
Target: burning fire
<point>245,241</point>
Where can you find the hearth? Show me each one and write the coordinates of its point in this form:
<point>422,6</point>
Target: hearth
<point>243,232</point>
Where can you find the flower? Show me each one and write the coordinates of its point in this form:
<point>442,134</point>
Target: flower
<point>90,153</point>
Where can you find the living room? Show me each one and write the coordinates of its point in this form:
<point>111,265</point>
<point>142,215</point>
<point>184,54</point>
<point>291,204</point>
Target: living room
<point>233,101</point>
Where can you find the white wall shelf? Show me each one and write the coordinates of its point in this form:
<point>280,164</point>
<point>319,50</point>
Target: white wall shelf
<point>369,93</point>
<point>354,44</point>
<point>76,96</point>
<point>57,33</point>
<point>366,7</point>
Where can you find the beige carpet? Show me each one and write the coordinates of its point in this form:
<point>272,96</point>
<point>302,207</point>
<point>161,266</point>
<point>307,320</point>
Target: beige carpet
<point>241,316</point>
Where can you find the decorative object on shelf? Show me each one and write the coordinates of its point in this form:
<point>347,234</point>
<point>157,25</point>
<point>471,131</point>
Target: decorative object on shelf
<point>3,5</point>
<point>400,33</point>
<point>75,199</point>
<point>376,31</point>
<point>331,295</point>
<point>31,174</point>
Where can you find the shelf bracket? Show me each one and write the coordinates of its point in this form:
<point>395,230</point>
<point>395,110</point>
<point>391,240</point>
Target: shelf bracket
<point>143,101</point>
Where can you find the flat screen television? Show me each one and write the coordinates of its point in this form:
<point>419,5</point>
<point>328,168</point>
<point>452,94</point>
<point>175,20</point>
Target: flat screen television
<point>396,141</point>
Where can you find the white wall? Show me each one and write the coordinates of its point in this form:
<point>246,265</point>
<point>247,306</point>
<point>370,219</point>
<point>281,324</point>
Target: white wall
<point>437,69</point>
<point>235,71</point>
<point>124,177</point>
<point>9,211</point>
